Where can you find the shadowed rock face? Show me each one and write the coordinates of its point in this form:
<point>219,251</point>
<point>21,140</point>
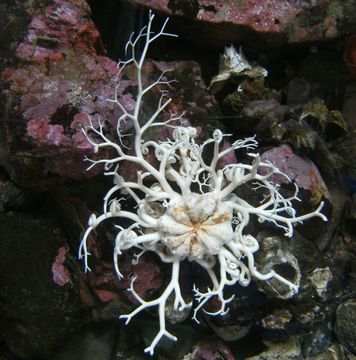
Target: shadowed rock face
<point>345,324</point>
<point>37,313</point>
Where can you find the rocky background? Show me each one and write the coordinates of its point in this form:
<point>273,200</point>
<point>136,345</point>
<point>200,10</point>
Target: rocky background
<point>58,64</point>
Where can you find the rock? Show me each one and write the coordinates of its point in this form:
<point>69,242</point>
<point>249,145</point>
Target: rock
<point>210,350</point>
<point>186,334</point>
<point>345,324</point>
<point>95,341</point>
<point>325,71</point>
<point>351,215</point>
<point>222,22</point>
<point>277,320</point>
<point>310,315</point>
<point>300,170</point>
<point>14,28</point>
<point>350,54</point>
<point>330,123</point>
<point>265,117</point>
<point>244,312</point>
<point>307,141</point>
<point>13,197</point>
<point>349,106</point>
<point>252,90</point>
<point>231,332</point>
<point>272,256</point>
<point>298,92</point>
<point>37,313</point>
<point>320,279</point>
<point>63,80</point>
<point>344,151</point>
<point>106,295</point>
<point>61,273</point>
<point>61,75</point>
<point>127,342</point>
<point>147,270</point>
<point>314,187</point>
<point>287,351</point>
<point>334,352</point>
<point>317,341</point>
<point>174,316</point>
<point>259,108</point>
<point>100,289</point>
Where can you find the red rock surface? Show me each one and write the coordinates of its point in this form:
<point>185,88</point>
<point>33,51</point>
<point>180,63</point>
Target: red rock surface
<point>61,75</point>
<point>61,274</point>
<point>299,169</point>
<point>104,283</point>
<point>62,78</point>
<point>292,21</point>
<point>213,350</point>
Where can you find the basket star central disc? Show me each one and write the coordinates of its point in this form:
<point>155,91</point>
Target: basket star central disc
<point>196,225</point>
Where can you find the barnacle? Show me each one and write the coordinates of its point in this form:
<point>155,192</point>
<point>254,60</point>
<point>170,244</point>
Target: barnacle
<point>190,210</point>
<point>234,65</point>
